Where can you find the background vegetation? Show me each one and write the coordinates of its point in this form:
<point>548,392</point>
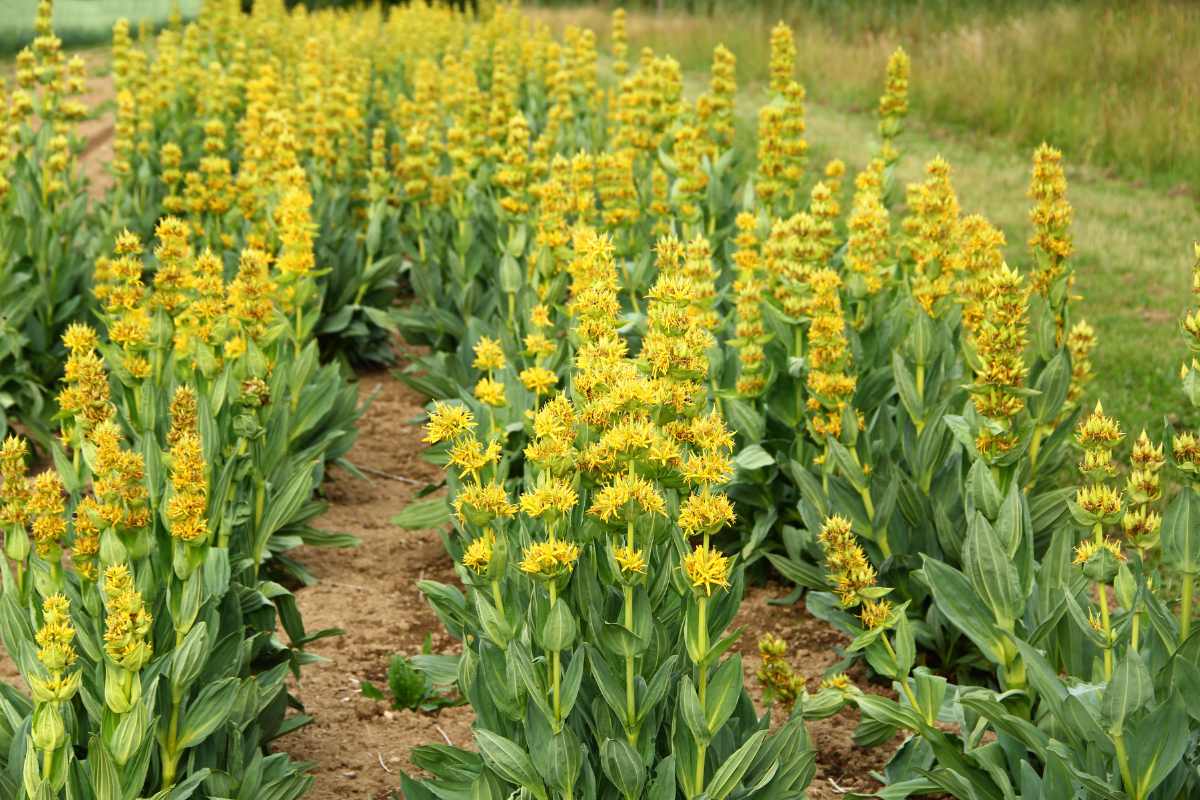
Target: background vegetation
<point>1111,84</point>
<point>83,22</point>
<point>1020,73</point>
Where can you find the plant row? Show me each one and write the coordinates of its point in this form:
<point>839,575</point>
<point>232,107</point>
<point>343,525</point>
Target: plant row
<point>666,362</point>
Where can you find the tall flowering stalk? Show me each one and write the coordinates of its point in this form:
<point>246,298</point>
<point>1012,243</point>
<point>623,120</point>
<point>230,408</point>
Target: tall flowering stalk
<point>893,105</point>
<point>1097,504</point>
<point>1051,242</point>
<point>998,347</point>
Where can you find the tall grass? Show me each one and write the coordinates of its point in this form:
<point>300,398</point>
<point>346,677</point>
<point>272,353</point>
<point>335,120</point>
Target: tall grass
<point>1114,85</point>
<point>83,22</point>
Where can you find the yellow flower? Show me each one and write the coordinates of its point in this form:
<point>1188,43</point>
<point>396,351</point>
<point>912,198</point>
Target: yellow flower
<point>490,392</point>
<point>839,682</point>
<point>187,508</point>
<point>1089,548</point>
<point>448,422</point>
<point>1099,499</point>
<point>625,496</point>
<point>538,380</point>
<point>705,513</point>
<point>630,561</point>
<point>845,561</point>
<point>480,504</point>
<point>54,637</point>
<point>46,506</point>
<point>708,432</point>
<point>550,496</point>
<point>488,354</point>
<point>539,316</point>
<point>875,614</point>
<point>478,555</point>
<point>80,338</point>
<point>549,559</point>
<point>1145,455</point>
<point>470,456</point>
<point>707,469</point>
<point>706,569</point>
<point>1098,430</point>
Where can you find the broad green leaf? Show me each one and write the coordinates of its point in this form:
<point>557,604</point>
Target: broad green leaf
<point>510,762</point>
<point>424,514</point>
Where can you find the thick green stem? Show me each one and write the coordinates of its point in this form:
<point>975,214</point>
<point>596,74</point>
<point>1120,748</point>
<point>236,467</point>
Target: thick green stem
<point>702,687</point>
<point>260,499</point>
<point>908,692</point>
<point>555,665</point>
<point>631,732</point>
<point>1123,763</point>
<point>920,423</point>
<point>498,598</point>
<point>1102,591</point>
<point>170,754</point>
<point>1185,608</point>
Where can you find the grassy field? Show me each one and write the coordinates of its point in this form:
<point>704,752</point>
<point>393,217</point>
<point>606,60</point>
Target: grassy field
<point>83,22</point>
<point>1133,239</point>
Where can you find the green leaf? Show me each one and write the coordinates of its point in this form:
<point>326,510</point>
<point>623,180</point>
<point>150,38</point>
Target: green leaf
<point>371,691</point>
<point>424,514</point>
<point>730,773</point>
<point>208,711</point>
<point>656,690</point>
<point>907,388</point>
<point>888,712</point>
<point>506,758</point>
<point>992,572</point>
<point>1130,689</point>
<point>406,684</point>
<point>1158,743</point>
<point>623,766</point>
<point>753,457</point>
<point>724,691</point>
<point>559,631</point>
<point>1181,533</point>
<point>189,657</point>
<point>957,600</point>
<point>692,712</point>
<point>1052,385</point>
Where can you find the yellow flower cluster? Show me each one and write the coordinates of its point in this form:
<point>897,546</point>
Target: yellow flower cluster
<point>127,623</point>
<point>187,508</point>
<point>56,652</point>
<point>714,109</point>
<point>930,235</point>
<point>831,380</point>
<point>1098,434</point>
<point>999,343</point>
<point>893,105</point>
<point>779,681</point>
<point>854,579</point>
<point>85,399</point>
<point>45,507</point>
<point>1051,218</point>
<point>14,490</point>
<point>869,232</point>
<point>750,286</point>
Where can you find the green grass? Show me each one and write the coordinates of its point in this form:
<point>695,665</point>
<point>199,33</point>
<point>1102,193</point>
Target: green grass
<point>84,22</point>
